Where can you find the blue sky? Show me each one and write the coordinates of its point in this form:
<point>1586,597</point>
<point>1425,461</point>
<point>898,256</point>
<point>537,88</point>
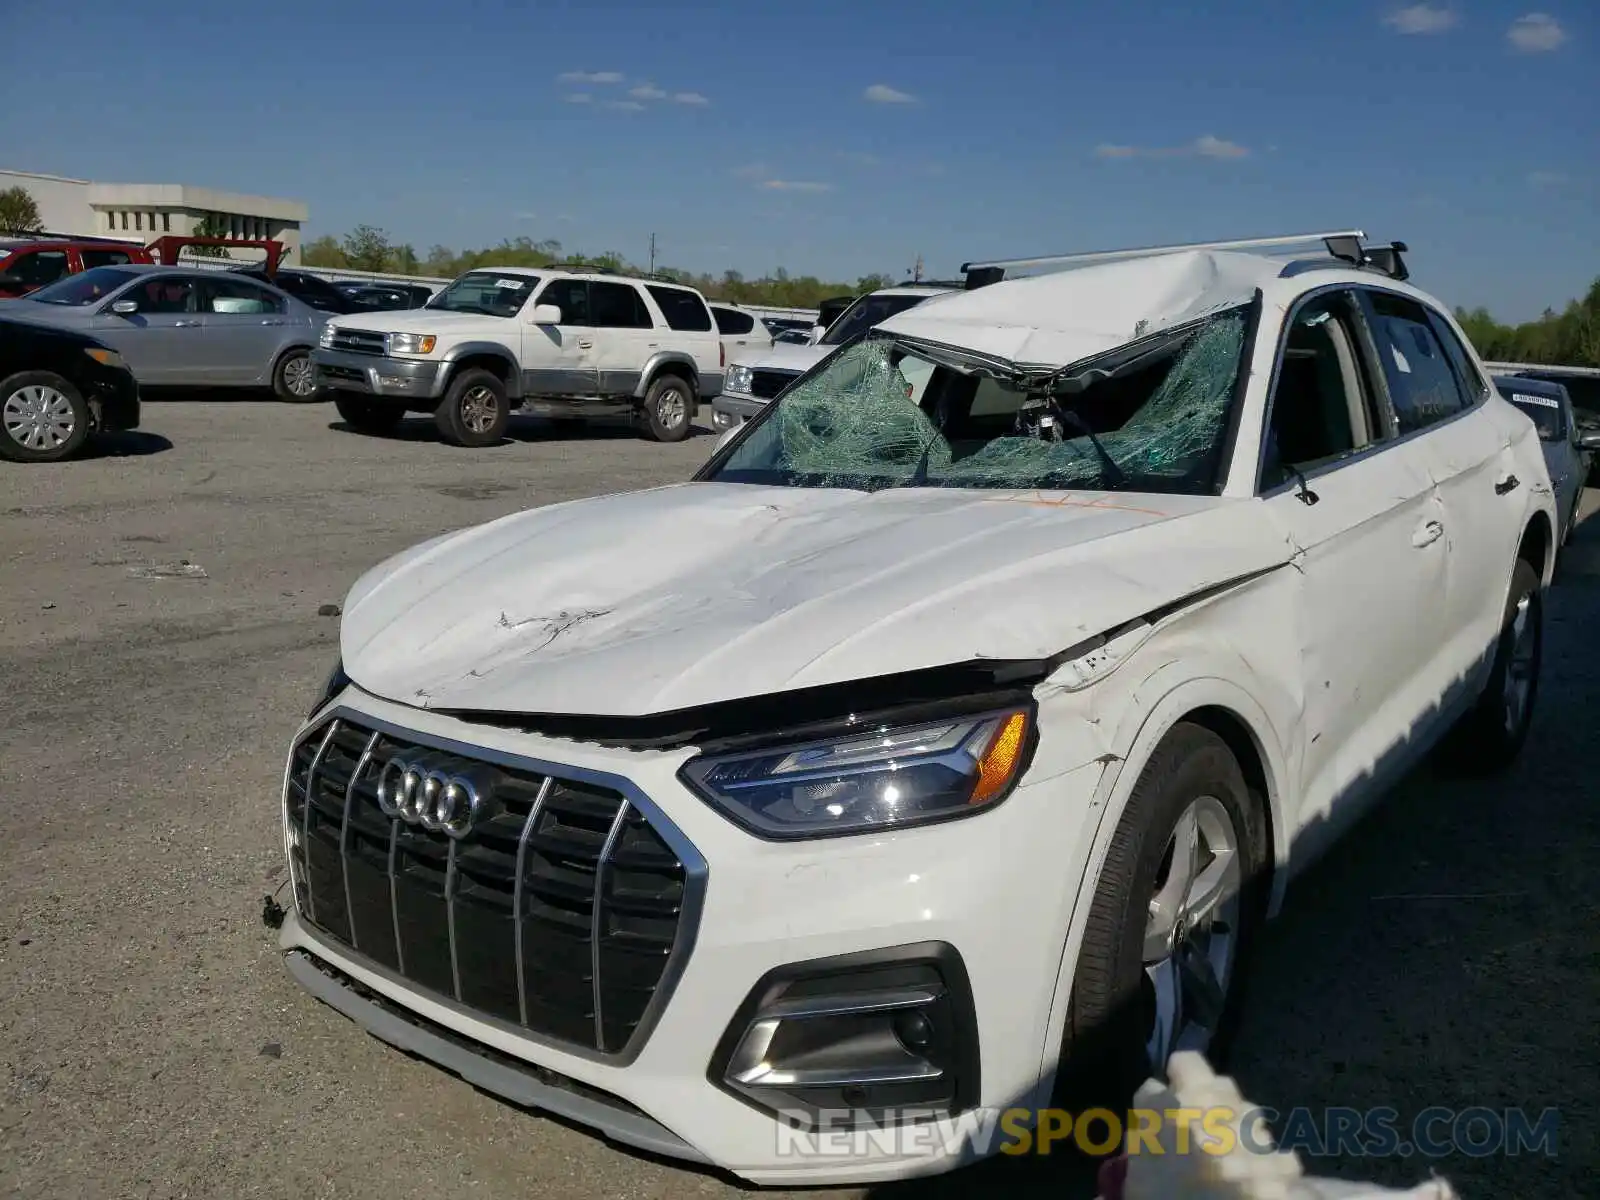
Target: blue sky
<point>844,138</point>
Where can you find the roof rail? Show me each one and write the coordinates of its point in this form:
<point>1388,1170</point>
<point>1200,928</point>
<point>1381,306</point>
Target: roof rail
<point>600,269</point>
<point>980,274</point>
<point>932,283</point>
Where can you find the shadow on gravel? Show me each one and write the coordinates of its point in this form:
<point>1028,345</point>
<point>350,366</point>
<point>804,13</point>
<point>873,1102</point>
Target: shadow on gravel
<point>130,443</point>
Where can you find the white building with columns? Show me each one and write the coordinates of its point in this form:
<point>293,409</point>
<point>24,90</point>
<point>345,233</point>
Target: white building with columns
<point>142,212</point>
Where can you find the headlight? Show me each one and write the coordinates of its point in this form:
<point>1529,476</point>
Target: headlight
<point>106,358</point>
<point>886,778</point>
<point>412,343</point>
<point>337,681</point>
<point>737,380</point>
<point>325,338</point>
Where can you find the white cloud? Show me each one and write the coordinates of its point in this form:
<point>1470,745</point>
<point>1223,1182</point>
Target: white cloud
<point>1215,147</point>
<point>590,77</point>
<point>1536,33</point>
<point>1546,179</point>
<point>578,98</point>
<point>795,185</point>
<point>647,91</point>
<point>694,98</point>
<point>625,105</point>
<point>1208,146</point>
<point>882,93</point>
<point>1421,19</point>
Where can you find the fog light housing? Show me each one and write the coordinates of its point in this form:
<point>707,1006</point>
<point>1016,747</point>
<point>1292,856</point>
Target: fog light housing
<point>396,381</point>
<point>866,1039</point>
<point>722,420</point>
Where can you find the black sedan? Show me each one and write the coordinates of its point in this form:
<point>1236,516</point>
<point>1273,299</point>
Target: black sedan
<point>57,388</point>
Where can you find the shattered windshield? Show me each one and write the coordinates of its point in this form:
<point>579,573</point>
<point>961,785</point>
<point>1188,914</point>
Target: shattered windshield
<point>890,411</point>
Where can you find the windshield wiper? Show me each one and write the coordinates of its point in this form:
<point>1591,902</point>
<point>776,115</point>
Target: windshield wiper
<point>1115,475</point>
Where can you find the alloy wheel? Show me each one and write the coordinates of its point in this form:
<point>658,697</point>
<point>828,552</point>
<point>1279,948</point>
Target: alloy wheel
<point>1191,932</point>
<point>478,408</point>
<point>299,376</point>
<point>672,409</point>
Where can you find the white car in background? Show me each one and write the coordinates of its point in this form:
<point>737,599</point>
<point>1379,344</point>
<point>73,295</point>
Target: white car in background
<point>753,380</point>
<point>942,745</point>
<point>742,332</point>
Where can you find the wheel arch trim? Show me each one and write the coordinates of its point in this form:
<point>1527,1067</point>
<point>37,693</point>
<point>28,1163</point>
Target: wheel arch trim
<point>665,358</point>
<point>1161,702</point>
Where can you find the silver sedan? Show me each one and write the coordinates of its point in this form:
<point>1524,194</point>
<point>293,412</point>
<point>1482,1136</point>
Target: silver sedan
<point>186,328</point>
<point>1567,448</point>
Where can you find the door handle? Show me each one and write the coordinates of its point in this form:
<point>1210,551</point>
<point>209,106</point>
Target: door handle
<point>1426,534</point>
<point>1507,484</point>
<point>585,345</point>
<point>186,324</point>
<point>272,322</point>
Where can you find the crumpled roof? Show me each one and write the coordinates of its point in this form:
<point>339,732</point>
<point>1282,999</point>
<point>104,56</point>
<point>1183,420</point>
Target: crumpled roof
<point>1069,315</point>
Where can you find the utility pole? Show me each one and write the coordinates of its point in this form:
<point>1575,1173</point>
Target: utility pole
<point>652,254</point>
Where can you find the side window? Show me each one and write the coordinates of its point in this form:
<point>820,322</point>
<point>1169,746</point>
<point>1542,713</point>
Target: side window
<point>103,258</point>
<point>1422,381</point>
<point>235,297</point>
<point>1322,403</point>
<point>731,321</point>
<point>40,267</point>
<point>164,294</point>
<point>1473,385</point>
<point>684,310</point>
<point>571,296</point>
<point>617,306</point>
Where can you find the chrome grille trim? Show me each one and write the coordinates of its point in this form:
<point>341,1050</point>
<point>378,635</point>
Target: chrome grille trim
<point>344,833</point>
<point>305,813</point>
<point>516,892</point>
<point>563,801</point>
<point>597,919</point>
<point>358,341</point>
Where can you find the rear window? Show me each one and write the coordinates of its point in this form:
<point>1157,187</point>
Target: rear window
<point>732,321</point>
<point>104,258</point>
<point>684,310</point>
<point>1544,411</point>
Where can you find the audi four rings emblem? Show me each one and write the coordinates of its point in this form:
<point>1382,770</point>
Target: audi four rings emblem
<point>434,798</point>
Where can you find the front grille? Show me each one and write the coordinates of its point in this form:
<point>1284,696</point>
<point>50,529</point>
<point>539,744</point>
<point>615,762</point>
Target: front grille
<point>764,385</point>
<point>348,374</point>
<point>561,911</point>
<point>358,341</point>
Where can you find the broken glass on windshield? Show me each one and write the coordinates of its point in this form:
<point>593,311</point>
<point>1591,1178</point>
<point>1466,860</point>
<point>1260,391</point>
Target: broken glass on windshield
<point>892,412</point>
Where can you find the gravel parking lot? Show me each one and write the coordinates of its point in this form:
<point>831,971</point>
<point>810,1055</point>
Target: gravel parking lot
<point>160,637</point>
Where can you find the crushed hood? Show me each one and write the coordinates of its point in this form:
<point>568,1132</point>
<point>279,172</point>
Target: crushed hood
<point>649,602</point>
<point>1070,315</point>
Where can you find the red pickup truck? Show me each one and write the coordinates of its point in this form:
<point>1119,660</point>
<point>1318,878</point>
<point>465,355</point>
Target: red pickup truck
<point>31,262</point>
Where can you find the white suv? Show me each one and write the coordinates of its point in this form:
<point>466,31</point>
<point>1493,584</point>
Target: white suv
<point>941,745</point>
<point>556,343</point>
<point>752,380</point>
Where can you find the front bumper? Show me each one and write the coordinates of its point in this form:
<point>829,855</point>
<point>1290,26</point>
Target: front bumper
<point>117,398</point>
<point>991,888</point>
<point>732,409</point>
<point>375,375</point>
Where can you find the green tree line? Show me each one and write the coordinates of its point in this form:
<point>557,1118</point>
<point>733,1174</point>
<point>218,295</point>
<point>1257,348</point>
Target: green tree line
<point>1570,338</point>
<point>1567,338</point>
<point>366,248</point>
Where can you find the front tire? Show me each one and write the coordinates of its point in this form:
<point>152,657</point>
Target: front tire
<point>669,408</point>
<point>1172,923</point>
<point>294,379</point>
<point>1490,737</point>
<point>43,418</point>
<point>366,415</point>
<point>475,411</point>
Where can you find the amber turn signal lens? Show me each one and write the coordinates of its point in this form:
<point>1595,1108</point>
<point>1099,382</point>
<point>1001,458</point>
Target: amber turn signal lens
<point>998,764</point>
